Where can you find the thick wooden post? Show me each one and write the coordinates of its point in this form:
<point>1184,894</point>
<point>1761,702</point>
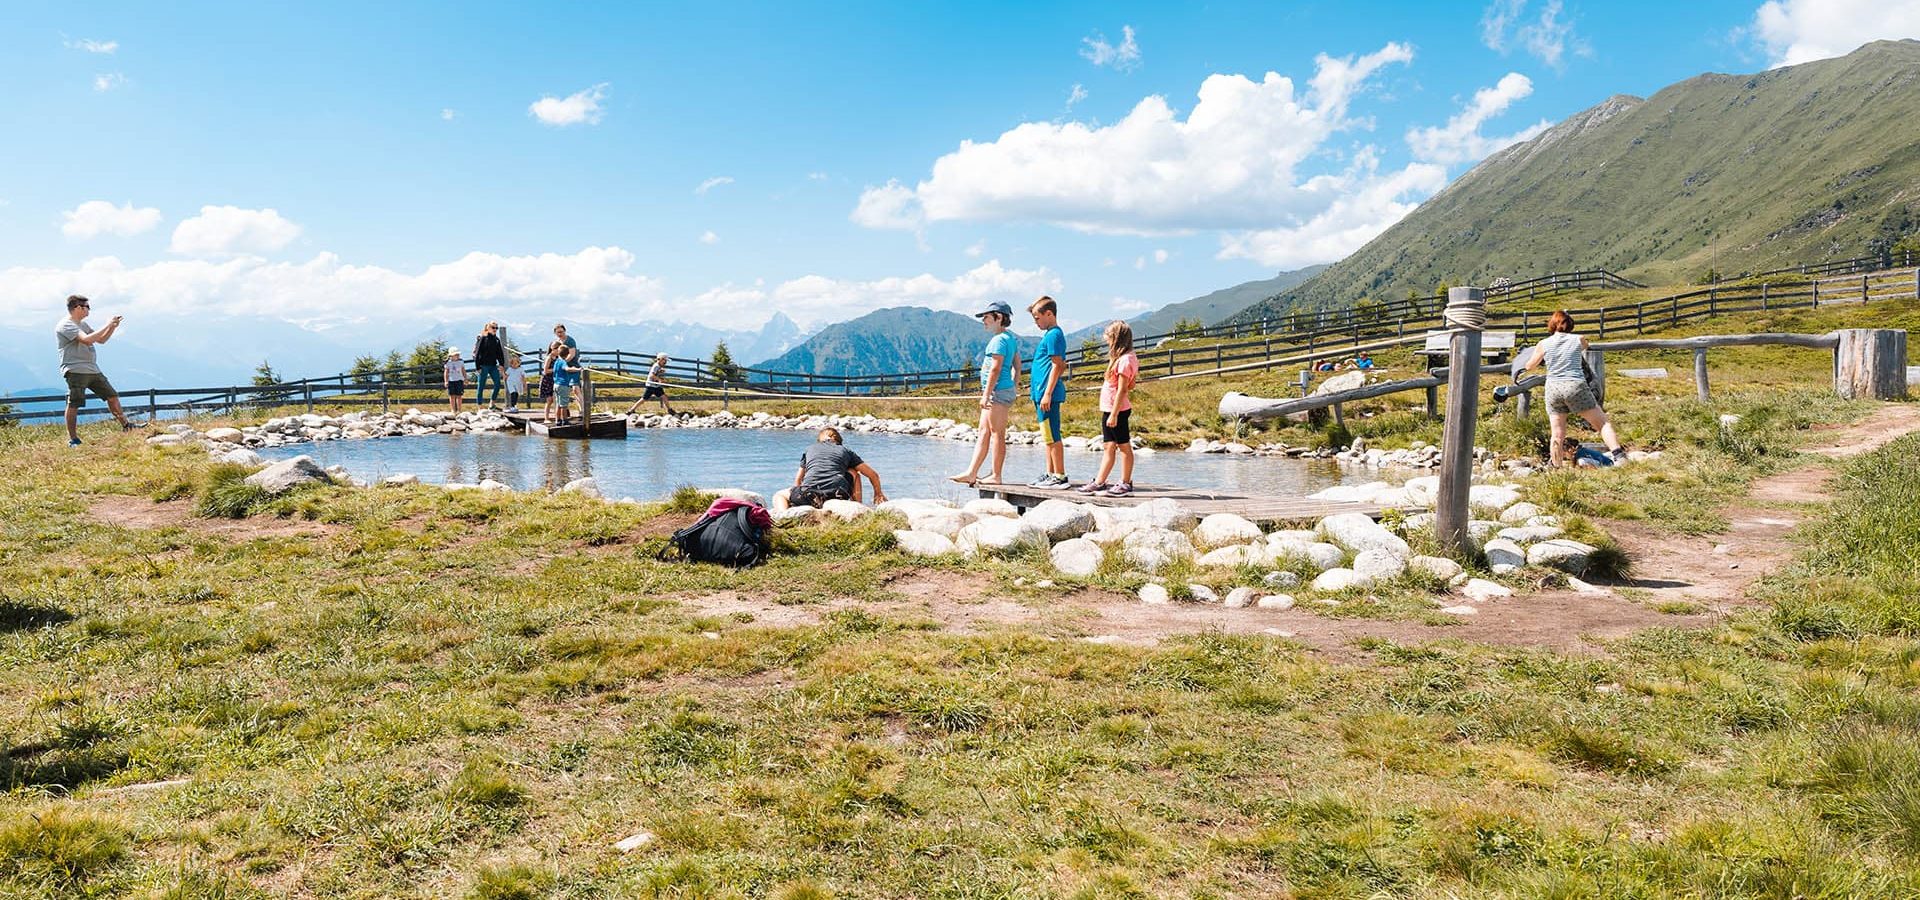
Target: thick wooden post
<point>1763,295</point>
<point>1597,367</point>
<point>308,387</point>
<point>1916,284</point>
<point>1463,413</point>
<point>1523,404</point>
<point>1700,373</point>
<point>1433,401</point>
<point>1871,363</point>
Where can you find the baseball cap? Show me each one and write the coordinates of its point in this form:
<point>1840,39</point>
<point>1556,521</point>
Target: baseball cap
<point>997,306</point>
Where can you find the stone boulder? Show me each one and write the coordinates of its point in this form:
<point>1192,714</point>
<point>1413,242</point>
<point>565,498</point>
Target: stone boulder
<point>1568,556</point>
<point>1492,496</point>
<point>1280,579</point>
<point>1480,590</point>
<point>241,456</point>
<point>1504,556</point>
<point>1078,557</point>
<point>995,535</point>
<point>1518,513</point>
<point>225,435</point>
<point>1060,519</point>
<point>844,510</point>
<point>1153,548</point>
<point>1530,534</point>
<point>1322,555</point>
<point>1164,513</point>
<point>991,506</point>
<point>1280,602</point>
<point>1239,598</point>
<point>740,494</point>
<point>1437,567</point>
<point>586,486</point>
<point>1154,595</point>
<point>1373,566</point>
<point>400,480</point>
<point>1359,532</point>
<point>1237,555</point>
<point>288,474</point>
<point>1222,529</point>
<point>1336,580</point>
<point>922,543</point>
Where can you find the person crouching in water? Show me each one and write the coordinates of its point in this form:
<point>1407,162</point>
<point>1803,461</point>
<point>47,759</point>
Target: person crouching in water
<point>997,365</point>
<point>1116,413</point>
<point>1568,393</point>
<point>828,471</point>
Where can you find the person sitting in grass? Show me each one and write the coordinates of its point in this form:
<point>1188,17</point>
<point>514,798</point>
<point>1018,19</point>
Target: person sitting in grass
<point>828,471</point>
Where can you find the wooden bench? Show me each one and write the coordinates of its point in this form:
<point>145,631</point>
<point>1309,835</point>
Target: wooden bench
<point>1495,346</point>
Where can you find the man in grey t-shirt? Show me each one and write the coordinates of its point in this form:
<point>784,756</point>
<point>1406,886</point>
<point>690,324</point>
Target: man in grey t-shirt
<point>80,367</point>
<point>828,471</point>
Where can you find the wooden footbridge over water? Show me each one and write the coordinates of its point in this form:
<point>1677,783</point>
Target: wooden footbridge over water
<point>1270,510</point>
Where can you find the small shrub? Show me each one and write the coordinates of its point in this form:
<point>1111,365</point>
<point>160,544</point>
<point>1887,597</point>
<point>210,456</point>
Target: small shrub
<point>225,493</point>
<point>517,882</point>
<point>1609,749</point>
<point>688,499</point>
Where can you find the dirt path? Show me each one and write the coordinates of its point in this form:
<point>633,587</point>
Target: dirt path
<point>1698,578</point>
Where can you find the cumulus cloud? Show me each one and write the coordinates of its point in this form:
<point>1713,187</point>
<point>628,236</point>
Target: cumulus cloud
<point>97,217</point>
<point>816,298</point>
<point>231,231</point>
<point>1233,162</point>
<point>1124,56</point>
<point>89,45</point>
<point>712,183</point>
<point>447,114</point>
<point>1160,256</point>
<point>1460,139</point>
<point>1359,204</point>
<point>709,238</point>
<point>1548,37</point>
<point>977,248</point>
<point>107,81</point>
<point>1797,31</point>
<point>580,108</point>
<point>1076,95</point>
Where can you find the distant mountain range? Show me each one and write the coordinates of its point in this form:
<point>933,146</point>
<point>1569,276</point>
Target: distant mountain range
<point>895,339</point>
<point>1719,172</point>
<point>1208,309</point>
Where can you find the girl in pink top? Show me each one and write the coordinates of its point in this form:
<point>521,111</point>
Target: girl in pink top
<point>1116,411</point>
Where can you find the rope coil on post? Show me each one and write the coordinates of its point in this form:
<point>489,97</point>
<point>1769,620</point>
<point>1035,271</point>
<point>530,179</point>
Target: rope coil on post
<point>1464,313</point>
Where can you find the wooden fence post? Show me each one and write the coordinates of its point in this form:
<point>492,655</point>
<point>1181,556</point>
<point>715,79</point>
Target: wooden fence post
<point>1433,400</point>
<point>1916,284</point>
<point>1700,373</point>
<point>1597,368</point>
<point>153,404</point>
<point>308,386</point>
<point>1763,295</point>
<point>1863,290</point>
<point>1523,404</point>
<point>1871,363</point>
<point>1463,412</point>
<point>386,401</point>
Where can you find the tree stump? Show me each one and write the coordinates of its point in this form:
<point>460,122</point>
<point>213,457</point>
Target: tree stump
<point>1870,363</point>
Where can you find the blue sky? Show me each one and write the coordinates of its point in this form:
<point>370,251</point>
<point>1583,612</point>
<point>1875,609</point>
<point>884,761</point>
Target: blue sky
<point>355,166</point>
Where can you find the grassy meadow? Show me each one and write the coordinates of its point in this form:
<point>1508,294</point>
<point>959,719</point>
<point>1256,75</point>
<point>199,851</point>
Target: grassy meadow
<point>419,693</point>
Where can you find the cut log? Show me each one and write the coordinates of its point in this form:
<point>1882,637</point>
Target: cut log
<point>1870,363</point>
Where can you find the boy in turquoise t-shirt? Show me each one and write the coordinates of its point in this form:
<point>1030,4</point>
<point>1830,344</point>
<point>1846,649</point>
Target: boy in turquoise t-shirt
<point>997,366</point>
<point>1047,386</point>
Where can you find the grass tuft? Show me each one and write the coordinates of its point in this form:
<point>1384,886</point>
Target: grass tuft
<point>59,848</point>
<point>225,493</point>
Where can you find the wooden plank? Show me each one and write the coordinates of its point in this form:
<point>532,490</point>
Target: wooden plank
<point>1202,502</point>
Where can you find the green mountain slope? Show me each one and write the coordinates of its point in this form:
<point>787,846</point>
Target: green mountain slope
<point>1210,309</point>
<point>1726,172</point>
<point>896,339</point>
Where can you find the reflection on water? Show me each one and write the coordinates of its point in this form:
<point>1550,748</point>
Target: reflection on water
<point>650,464</point>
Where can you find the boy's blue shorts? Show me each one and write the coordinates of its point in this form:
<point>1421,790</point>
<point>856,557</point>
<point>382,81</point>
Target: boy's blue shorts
<point>1049,420</point>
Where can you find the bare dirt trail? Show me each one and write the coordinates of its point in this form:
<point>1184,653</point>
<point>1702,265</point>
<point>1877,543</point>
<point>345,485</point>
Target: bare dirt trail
<point>1707,574</point>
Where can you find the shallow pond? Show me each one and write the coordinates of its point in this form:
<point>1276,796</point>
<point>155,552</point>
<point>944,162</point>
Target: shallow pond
<point>651,463</point>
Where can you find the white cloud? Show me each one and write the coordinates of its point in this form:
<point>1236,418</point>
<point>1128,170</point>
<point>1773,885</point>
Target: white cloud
<point>1232,163</point>
<point>1160,257</point>
<point>1547,37</point>
<point>578,108</point>
<point>107,81</point>
<point>1460,139</point>
<point>816,176</point>
<point>1361,203</point>
<point>1139,263</point>
<point>1076,95</point>
<point>92,46</point>
<point>447,114</point>
<point>1125,57</point>
<point>97,217</point>
<point>977,248</point>
<point>712,183</point>
<point>1127,307</point>
<point>1797,31</point>
<point>231,230</point>
<point>709,238</point>
<point>817,298</point>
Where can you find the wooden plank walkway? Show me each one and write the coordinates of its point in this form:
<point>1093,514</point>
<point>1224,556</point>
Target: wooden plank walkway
<point>1261,510</point>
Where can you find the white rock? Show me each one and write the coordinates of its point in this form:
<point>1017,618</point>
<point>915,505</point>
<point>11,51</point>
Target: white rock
<point>163,440</point>
<point>1568,556</point>
<point>742,495</point>
<point>845,510</point>
<point>288,474</point>
<point>1462,610</point>
<point>1281,602</point>
<point>1239,598</point>
<point>1492,496</point>
<point>1164,513</point>
<point>1532,534</point>
<point>1358,531</point>
<point>1154,595</point>
<point>1519,513</point>
<point>1336,580</point>
<point>923,543</point>
<point>1222,529</point>
<point>400,480</point>
<point>1581,587</point>
<point>991,506</point>
<point>1280,579</point>
<point>1322,555</point>
<point>1237,555</point>
<point>587,486</point>
<point>796,513</point>
<point>634,841</point>
<point>1422,491</point>
<point>1501,552</point>
<point>1078,557</point>
<point>1438,567</point>
<point>997,535</point>
<point>1202,594</point>
<point>1297,535</point>
<point>1481,529</point>
<point>1371,566</point>
<point>1480,590</point>
<point>225,435</point>
<point>1106,538</point>
<point>1153,548</point>
<point>241,456</point>
<point>1061,519</point>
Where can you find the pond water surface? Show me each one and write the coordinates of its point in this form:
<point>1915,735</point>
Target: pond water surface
<point>650,463</point>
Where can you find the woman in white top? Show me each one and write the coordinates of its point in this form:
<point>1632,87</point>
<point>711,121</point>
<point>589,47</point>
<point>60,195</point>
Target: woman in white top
<point>1568,393</point>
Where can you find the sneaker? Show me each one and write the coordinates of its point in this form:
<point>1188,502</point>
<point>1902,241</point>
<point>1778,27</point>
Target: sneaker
<point>73,442</point>
<point>1044,481</point>
<point>1619,456</point>
<point>1092,487</point>
<point>1059,479</point>
<point>1122,489</point>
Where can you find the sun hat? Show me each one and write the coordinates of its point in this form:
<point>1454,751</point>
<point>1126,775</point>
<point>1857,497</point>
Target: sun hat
<point>997,306</point>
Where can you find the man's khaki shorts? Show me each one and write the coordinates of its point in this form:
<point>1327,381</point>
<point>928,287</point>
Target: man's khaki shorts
<point>79,383</point>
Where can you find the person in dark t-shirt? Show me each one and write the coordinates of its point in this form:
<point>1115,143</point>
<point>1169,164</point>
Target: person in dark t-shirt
<point>828,471</point>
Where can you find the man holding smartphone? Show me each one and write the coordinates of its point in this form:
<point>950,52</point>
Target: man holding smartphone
<point>80,367</point>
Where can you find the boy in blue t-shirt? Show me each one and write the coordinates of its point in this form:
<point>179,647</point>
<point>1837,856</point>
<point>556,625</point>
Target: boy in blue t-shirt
<point>1047,386</point>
